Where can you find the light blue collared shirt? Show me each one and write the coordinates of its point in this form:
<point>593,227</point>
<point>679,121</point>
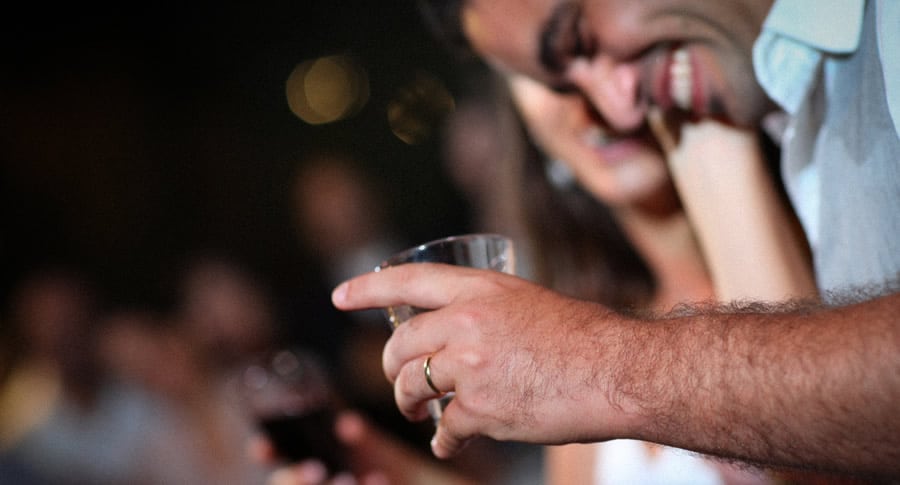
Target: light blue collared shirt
<point>834,67</point>
<point>798,32</point>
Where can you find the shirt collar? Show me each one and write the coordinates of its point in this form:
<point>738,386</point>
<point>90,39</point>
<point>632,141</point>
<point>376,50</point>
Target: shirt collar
<point>829,25</point>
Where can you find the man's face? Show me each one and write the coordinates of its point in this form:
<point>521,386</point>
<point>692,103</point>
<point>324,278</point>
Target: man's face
<point>625,55</point>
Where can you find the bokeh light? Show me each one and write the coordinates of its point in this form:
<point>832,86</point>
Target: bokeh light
<point>327,89</point>
<point>418,107</point>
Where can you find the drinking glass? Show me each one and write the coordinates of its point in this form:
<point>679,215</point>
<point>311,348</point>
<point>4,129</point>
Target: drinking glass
<point>486,251</point>
<point>289,396</point>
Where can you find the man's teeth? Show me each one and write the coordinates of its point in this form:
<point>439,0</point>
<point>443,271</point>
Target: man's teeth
<point>597,137</point>
<point>681,84</point>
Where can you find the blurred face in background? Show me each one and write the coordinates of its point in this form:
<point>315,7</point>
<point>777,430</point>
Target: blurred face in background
<point>690,56</point>
<point>617,170</point>
<point>335,208</point>
<point>55,311</point>
<point>225,311</point>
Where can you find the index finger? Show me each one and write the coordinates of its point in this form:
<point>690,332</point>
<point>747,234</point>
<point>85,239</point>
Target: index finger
<point>423,285</point>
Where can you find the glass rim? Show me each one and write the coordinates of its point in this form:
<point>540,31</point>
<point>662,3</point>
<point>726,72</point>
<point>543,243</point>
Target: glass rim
<point>489,236</point>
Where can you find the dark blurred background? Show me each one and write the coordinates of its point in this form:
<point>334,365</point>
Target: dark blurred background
<point>133,133</point>
<point>181,186</point>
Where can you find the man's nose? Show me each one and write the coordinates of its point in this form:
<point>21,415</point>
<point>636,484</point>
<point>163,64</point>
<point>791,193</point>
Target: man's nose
<point>614,90</point>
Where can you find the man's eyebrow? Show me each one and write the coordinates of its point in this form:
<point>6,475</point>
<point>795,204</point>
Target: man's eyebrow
<point>556,31</point>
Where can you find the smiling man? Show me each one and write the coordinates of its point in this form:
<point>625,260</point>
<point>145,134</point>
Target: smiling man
<point>837,74</point>
<point>625,56</point>
<point>781,385</point>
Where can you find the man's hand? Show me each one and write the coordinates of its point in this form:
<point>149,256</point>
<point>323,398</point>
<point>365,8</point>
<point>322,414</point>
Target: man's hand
<point>521,359</point>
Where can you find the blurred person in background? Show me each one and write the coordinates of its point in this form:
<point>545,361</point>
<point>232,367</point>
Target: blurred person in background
<point>479,149</point>
<point>185,354</point>
<point>223,315</point>
<point>223,308</point>
<point>64,417</point>
<point>341,215</point>
<point>343,226</point>
<point>475,142</point>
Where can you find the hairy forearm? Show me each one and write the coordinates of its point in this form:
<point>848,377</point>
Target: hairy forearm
<point>811,388</point>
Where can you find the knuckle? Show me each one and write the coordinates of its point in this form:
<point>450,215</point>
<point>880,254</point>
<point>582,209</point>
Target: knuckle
<point>467,319</point>
<point>473,361</point>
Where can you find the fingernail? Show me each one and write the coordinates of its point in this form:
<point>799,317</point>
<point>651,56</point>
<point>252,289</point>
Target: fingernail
<point>434,446</point>
<point>339,294</point>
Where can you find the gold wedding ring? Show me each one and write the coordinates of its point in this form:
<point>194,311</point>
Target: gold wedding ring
<point>428,375</point>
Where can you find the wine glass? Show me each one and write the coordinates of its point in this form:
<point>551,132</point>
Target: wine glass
<point>289,396</point>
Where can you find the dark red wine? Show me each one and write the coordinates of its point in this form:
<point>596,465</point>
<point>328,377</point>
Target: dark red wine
<point>306,435</point>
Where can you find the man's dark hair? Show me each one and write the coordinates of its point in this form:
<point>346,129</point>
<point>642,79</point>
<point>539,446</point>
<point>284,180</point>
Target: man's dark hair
<point>442,18</point>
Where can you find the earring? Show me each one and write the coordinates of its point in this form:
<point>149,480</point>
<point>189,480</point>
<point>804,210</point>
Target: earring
<point>559,174</point>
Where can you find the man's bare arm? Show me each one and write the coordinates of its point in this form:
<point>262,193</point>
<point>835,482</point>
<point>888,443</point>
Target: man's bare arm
<point>810,388</point>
